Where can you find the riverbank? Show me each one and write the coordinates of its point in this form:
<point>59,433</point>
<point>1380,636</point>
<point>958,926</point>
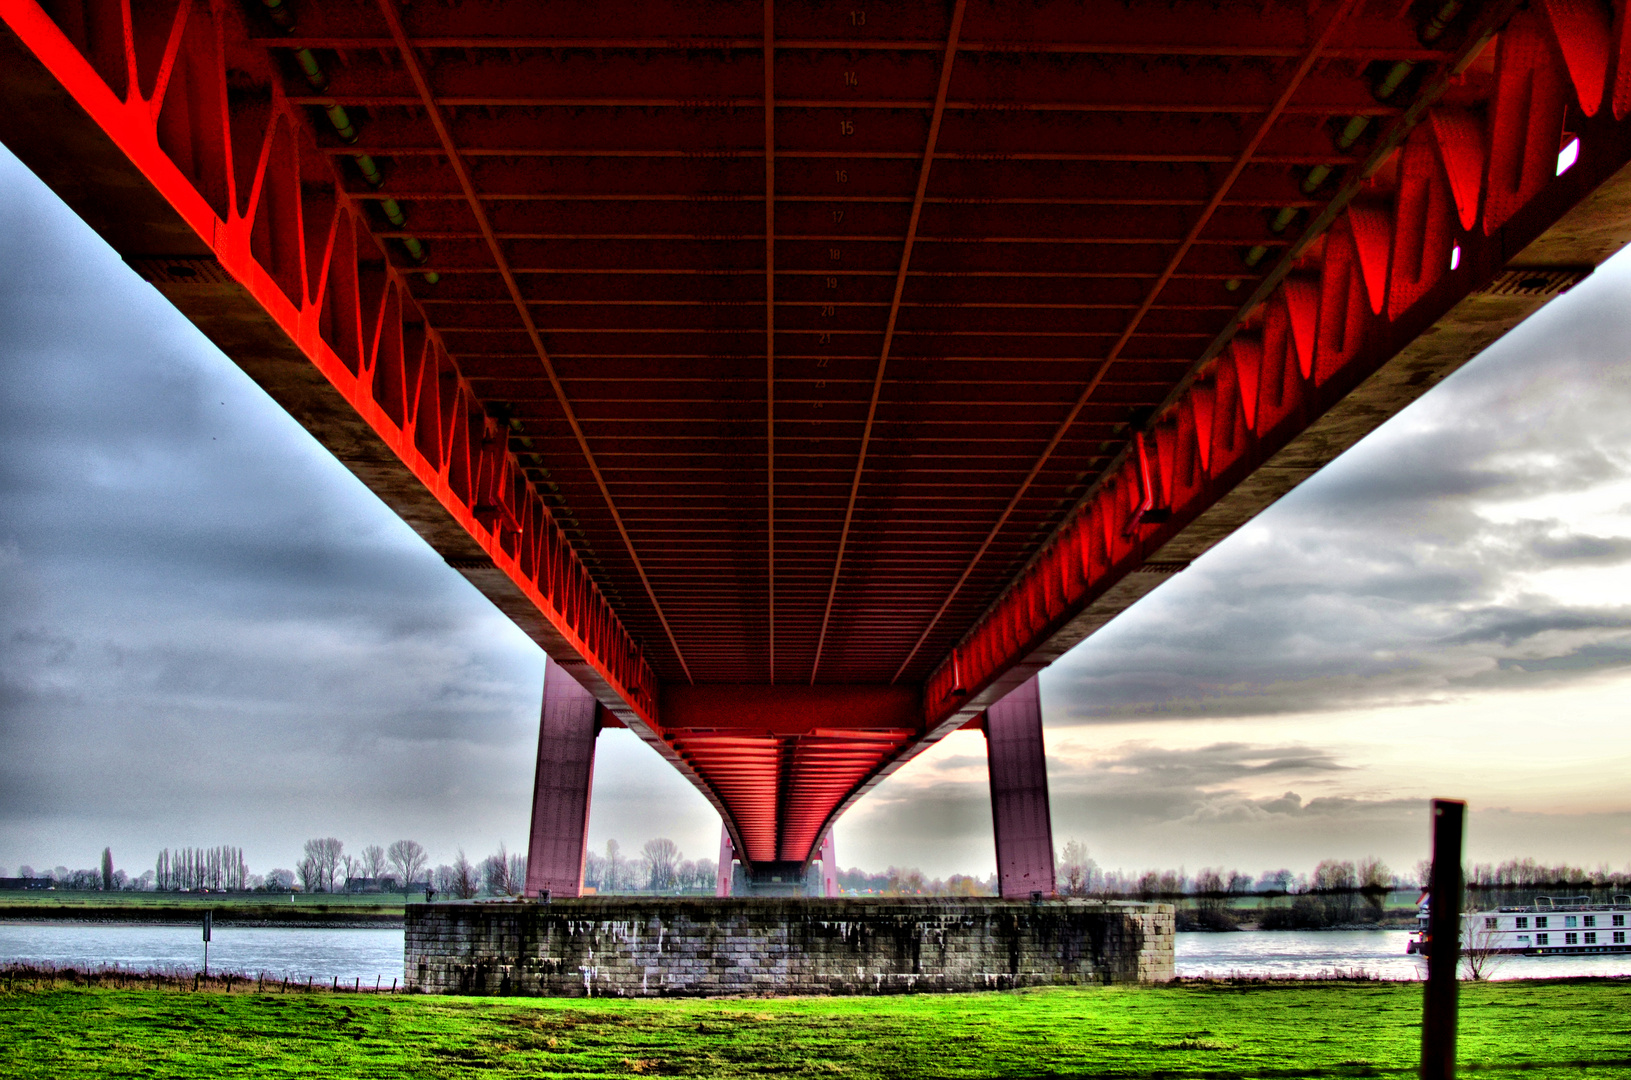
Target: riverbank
<point>305,915</point>
<point>1187,1030</point>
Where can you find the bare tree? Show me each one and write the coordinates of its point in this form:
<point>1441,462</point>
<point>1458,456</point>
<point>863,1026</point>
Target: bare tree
<point>614,870</point>
<point>499,875</point>
<point>311,874</point>
<point>1374,880</point>
<point>1336,878</point>
<point>464,884</point>
<point>1481,953</point>
<point>1075,869</point>
<point>662,855</point>
<point>325,855</point>
<point>373,862</point>
<point>409,859</point>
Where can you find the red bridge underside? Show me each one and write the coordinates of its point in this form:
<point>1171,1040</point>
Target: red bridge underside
<point>802,377</point>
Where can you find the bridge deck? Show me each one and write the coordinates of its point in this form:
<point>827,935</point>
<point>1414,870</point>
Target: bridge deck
<point>804,377</point>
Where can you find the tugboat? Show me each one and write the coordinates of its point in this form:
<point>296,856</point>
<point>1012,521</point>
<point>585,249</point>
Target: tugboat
<point>1551,926</point>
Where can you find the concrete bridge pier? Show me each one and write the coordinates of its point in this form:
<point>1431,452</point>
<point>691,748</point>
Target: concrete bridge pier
<point>774,879</point>
<point>1020,816</point>
<point>567,729</point>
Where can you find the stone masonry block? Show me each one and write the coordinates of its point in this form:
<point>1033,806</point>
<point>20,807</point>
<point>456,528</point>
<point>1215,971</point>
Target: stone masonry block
<point>632,946</point>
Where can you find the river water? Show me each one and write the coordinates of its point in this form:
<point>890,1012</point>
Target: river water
<point>1375,952</point>
<point>280,952</point>
<point>369,955</point>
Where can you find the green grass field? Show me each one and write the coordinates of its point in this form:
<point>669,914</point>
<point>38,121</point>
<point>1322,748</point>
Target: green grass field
<point>1536,1029</point>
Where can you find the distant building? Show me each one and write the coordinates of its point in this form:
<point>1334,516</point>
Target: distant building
<point>25,883</point>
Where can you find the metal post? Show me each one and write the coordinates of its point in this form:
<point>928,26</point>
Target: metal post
<point>1020,816</point>
<point>209,919</point>
<point>727,855</point>
<point>560,795</point>
<point>1443,942</point>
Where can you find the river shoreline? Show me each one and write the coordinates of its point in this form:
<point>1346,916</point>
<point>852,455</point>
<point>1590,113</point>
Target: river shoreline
<point>260,915</point>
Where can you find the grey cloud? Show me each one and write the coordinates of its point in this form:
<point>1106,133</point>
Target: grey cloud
<point>1575,548</point>
<point>960,761</point>
<point>1393,576</point>
<point>209,631</point>
<point>1220,762</point>
<point>1147,785</point>
<point>1145,806</point>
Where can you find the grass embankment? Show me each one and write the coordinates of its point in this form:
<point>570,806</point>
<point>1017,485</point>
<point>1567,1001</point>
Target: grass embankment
<point>1538,1029</point>
<point>251,909</point>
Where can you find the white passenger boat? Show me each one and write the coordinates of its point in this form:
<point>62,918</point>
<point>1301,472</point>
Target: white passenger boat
<point>1551,926</point>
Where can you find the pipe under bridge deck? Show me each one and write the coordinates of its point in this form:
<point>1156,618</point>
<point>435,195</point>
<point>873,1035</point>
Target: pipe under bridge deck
<point>802,378</point>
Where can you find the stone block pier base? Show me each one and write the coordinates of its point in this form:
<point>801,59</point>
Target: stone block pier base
<point>673,947</point>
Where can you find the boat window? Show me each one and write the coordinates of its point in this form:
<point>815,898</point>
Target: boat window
<point>1571,939</point>
<point>1523,922</point>
<point>1619,937</point>
<point>1591,920</point>
<point>1523,941</point>
<point>1540,922</point>
<point>1541,939</point>
<point>1491,924</point>
<point>1591,937</point>
<point>1619,920</point>
<point>1570,920</point>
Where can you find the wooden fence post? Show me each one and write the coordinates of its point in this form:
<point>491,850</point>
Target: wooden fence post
<point>1444,942</point>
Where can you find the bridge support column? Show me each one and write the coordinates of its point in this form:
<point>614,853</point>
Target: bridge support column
<point>1019,794</point>
<point>560,794</point>
<point>727,863</point>
<point>829,866</point>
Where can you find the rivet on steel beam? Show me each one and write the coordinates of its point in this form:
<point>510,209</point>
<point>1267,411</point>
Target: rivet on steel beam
<point>1351,131</point>
<point>280,14</point>
<point>312,70</point>
<point>1395,77</point>
<point>1434,28</point>
<point>342,123</point>
<point>370,170</point>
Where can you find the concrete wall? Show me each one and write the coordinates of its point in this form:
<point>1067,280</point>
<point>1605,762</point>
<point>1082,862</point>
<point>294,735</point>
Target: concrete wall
<point>622,947</point>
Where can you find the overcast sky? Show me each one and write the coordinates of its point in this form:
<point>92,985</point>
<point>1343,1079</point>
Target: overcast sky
<point>211,633</point>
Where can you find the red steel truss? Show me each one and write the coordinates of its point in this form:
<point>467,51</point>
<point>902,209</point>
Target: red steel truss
<point>804,378</point>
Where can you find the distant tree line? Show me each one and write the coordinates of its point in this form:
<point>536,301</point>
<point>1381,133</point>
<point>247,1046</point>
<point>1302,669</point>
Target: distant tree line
<point>325,866</point>
<point>910,881</point>
<point>217,869</point>
<point>1336,893</point>
<point>660,868</point>
<point>1517,881</point>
